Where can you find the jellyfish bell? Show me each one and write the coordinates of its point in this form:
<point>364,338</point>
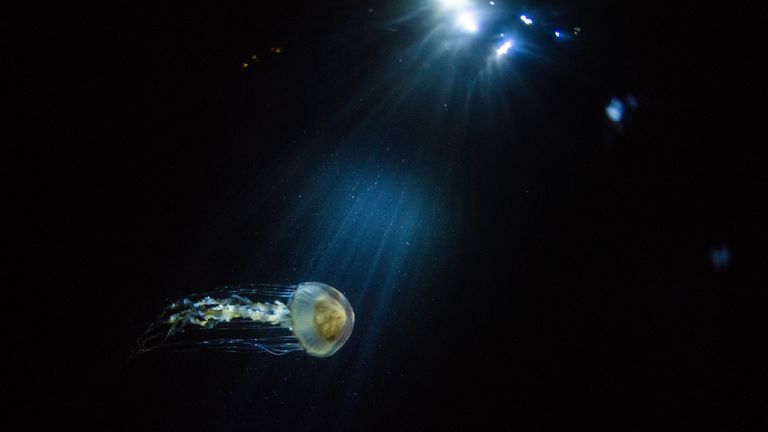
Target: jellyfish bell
<point>322,318</point>
<point>312,317</point>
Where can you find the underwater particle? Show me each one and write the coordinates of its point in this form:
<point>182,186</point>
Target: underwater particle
<point>500,51</point>
<point>526,20</point>
<point>615,110</point>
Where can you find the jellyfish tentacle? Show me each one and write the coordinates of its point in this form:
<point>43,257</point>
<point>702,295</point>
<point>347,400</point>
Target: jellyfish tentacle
<point>273,290</point>
<point>210,311</point>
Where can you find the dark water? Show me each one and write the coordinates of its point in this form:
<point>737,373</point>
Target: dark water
<point>511,254</point>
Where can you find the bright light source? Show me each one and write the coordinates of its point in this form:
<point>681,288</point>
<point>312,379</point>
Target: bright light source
<point>492,3</point>
<point>557,33</point>
<point>526,20</point>
<point>500,51</point>
<point>467,22</point>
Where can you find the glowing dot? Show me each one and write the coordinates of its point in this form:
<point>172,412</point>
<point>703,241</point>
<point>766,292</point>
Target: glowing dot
<point>526,20</point>
<point>492,3</point>
<point>467,22</point>
<point>245,65</point>
<point>557,34</point>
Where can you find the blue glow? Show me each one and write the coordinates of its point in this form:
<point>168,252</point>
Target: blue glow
<point>615,110</point>
<point>557,33</point>
<point>721,257</point>
<point>526,20</point>
<point>632,101</point>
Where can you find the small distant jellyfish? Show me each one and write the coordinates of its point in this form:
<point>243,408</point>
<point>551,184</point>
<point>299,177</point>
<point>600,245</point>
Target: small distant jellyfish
<point>615,110</point>
<point>312,317</point>
<point>619,108</point>
<point>720,256</point>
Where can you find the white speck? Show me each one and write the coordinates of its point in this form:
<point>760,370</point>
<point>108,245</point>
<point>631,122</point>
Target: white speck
<point>500,51</point>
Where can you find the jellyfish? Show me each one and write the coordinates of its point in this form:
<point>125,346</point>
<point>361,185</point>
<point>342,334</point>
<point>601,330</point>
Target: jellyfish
<point>312,317</point>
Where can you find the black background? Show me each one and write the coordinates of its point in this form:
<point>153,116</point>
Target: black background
<point>578,287</point>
